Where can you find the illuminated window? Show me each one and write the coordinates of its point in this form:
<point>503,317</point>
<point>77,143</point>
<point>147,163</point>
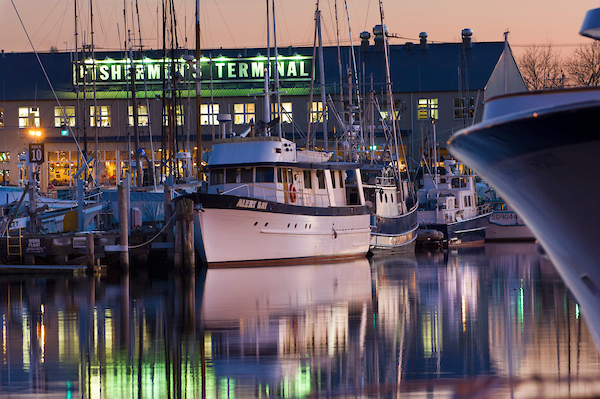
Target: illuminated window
<point>286,112</point>
<point>1,117</point>
<point>178,115</point>
<point>384,112</point>
<point>243,113</point>
<point>68,119</point>
<point>29,117</point>
<point>103,116</point>
<point>208,114</point>
<point>316,112</point>
<point>427,108</point>
<point>142,115</point>
<point>464,107</point>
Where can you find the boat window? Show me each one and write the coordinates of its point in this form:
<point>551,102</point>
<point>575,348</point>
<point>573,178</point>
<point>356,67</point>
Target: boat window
<point>342,178</point>
<point>216,176</point>
<point>321,178</point>
<point>386,198</point>
<point>280,175</point>
<point>333,172</point>
<point>392,198</point>
<point>231,175</point>
<point>307,179</point>
<point>246,175</point>
<point>265,175</point>
<point>381,196</point>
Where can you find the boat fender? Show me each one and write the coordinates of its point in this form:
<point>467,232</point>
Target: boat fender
<point>292,193</point>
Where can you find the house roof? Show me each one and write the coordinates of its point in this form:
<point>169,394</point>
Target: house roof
<point>437,68</point>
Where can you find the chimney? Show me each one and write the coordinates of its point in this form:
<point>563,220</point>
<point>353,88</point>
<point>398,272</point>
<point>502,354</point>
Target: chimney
<point>423,42</point>
<point>378,32</point>
<point>466,37</point>
<point>364,41</point>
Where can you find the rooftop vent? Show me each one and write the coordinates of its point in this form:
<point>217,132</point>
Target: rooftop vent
<point>364,40</point>
<point>466,37</point>
<point>423,42</point>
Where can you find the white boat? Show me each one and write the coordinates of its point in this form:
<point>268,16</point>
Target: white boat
<point>448,205</point>
<point>393,219</point>
<point>539,150</point>
<point>506,224</point>
<point>269,201</point>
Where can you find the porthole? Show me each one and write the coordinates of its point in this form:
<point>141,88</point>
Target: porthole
<point>296,225</point>
<point>266,224</point>
<point>289,225</point>
<point>386,198</point>
<point>255,223</point>
<point>392,198</point>
<point>306,225</point>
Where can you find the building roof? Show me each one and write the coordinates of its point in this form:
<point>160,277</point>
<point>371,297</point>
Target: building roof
<point>437,68</point>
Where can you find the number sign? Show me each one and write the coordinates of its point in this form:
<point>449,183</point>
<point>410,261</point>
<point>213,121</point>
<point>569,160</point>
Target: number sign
<point>36,153</point>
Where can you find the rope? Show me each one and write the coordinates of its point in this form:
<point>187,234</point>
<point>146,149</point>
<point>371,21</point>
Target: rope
<point>153,238</point>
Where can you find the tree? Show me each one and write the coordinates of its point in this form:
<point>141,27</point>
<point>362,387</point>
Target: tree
<point>541,68</point>
<point>583,68</point>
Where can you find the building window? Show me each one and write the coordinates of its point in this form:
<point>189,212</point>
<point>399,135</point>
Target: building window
<point>1,117</point>
<point>316,112</point>
<point>29,117</point>
<point>384,112</point>
<point>427,108</point>
<point>68,119</point>
<point>464,107</point>
<point>208,114</point>
<point>243,113</point>
<point>178,115</point>
<point>142,115</point>
<point>286,112</point>
<point>103,116</point>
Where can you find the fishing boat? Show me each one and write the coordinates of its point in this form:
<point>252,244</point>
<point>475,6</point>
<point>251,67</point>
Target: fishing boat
<point>506,224</point>
<point>268,201</point>
<point>448,205</point>
<point>539,150</point>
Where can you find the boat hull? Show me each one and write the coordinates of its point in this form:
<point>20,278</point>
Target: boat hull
<point>232,230</point>
<point>545,165</point>
<point>397,233</point>
<point>465,233</point>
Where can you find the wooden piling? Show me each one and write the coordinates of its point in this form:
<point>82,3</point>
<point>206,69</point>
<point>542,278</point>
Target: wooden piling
<point>123,227</point>
<point>184,235</point>
<point>91,259</point>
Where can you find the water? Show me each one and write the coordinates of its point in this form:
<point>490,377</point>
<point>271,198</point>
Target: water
<point>495,321</point>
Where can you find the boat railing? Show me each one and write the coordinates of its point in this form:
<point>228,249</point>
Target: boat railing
<point>484,209</point>
<point>270,194</point>
<point>386,181</point>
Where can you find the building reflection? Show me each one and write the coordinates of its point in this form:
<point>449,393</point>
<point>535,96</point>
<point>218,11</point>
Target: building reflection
<point>395,323</point>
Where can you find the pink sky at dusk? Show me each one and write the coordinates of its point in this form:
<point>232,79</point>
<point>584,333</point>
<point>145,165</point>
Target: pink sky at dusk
<point>241,23</point>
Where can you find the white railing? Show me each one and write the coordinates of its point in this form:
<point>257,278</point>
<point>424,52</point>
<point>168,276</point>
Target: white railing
<point>270,194</point>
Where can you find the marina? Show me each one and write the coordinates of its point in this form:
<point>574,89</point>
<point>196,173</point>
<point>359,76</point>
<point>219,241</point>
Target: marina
<point>378,218</point>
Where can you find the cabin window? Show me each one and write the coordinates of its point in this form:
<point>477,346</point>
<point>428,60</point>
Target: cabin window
<point>333,172</point>
<point>66,119</point>
<point>231,175</point>
<point>265,175</point>
<point>307,179</point>
<point>216,176</point>
<point>392,198</point>
<point>280,172</point>
<point>321,179</point>
<point>341,175</point>
<point>246,175</point>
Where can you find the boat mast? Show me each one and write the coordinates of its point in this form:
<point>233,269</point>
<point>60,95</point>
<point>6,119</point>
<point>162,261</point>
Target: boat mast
<point>322,81</point>
<point>198,95</point>
<point>267,101</point>
<point>136,132</point>
<point>96,118</point>
<point>277,92</point>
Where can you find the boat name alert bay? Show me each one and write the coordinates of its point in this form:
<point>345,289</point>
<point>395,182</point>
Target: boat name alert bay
<point>251,204</point>
<point>221,69</point>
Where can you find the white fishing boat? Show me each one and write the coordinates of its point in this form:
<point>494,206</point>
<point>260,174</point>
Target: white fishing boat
<point>448,205</point>
<point>539,150</point>
<point>269,201</point>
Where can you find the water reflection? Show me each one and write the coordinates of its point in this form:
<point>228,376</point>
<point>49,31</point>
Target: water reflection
<point>495,320</point>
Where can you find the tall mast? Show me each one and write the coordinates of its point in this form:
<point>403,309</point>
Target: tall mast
<point>388,85</point>
<point>96,110</point>
<point>322,80</point>
<point>136,132</point>
<point>267,104</point>
<point>198,94</point>
<point>277,92</point>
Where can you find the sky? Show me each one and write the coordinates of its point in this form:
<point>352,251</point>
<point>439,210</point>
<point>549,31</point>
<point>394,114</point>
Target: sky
<point>242,23</point>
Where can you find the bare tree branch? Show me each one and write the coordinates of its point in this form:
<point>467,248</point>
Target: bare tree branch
<point>541,68</point>
<point>584,68</point>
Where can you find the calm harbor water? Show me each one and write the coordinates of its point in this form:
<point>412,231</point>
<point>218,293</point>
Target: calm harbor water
<point>496,320</point>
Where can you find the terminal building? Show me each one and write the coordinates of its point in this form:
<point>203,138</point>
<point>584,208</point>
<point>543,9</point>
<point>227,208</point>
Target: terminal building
<point>80,105</point>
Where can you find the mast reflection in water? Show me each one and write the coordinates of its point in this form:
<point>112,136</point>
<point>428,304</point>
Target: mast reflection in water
<point>496,320</point>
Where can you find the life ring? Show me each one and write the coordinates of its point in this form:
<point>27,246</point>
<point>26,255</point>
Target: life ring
<point>292,193</point>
